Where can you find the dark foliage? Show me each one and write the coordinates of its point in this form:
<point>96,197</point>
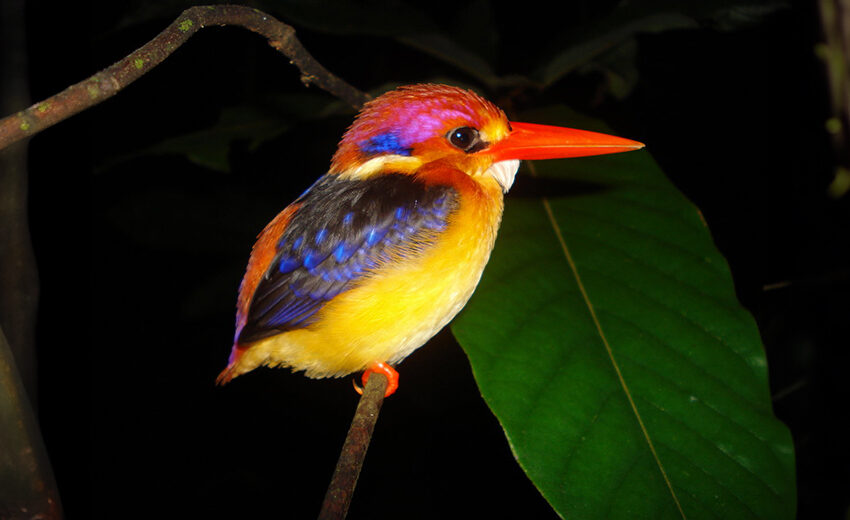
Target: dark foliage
<point>140,256</point>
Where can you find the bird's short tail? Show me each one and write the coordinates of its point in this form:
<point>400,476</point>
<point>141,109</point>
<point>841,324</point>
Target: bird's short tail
<point>226,375</point>
<point>234,367</point>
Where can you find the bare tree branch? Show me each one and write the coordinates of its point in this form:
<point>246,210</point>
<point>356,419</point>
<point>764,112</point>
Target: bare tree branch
<point>344,480</point>
<point>113,79</point>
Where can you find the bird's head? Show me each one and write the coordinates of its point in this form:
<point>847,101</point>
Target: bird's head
<point>406,128</point>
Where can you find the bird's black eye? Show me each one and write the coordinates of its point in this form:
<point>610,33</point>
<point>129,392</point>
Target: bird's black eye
<point>466,138</point>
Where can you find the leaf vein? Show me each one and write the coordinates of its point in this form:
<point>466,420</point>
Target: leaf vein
<point>616,367</point>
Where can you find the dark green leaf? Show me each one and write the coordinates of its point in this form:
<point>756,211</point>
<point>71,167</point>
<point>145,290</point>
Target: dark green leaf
<point>209,147</point>
<point>254,125</point>
<point>604,34</point>
<point>607,338</point>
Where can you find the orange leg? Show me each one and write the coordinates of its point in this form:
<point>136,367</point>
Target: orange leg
<point>386,370</point>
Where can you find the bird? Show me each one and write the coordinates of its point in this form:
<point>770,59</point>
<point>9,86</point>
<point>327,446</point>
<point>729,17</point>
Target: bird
<point>384,249</point>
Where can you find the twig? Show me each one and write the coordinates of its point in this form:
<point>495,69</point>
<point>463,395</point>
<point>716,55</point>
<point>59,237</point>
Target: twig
<point>113,79</point>
<point>338,496</point>
<point>835,53</point>
<point>29,488</point>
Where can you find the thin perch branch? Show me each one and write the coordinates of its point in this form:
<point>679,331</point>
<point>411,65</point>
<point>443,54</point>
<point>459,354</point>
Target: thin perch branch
<point>341,488</point>
<point>113,79</point>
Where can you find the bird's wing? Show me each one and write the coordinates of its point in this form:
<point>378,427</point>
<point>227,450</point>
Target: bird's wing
<point>340,233</point>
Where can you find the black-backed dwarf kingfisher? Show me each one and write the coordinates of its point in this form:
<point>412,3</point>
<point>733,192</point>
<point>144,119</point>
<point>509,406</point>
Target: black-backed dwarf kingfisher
<point>387,247</point>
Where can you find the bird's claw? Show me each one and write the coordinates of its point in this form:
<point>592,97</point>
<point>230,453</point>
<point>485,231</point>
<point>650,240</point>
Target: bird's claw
<point>382,368</point>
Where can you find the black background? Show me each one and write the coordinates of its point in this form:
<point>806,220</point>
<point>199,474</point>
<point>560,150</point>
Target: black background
<point>140,260</point>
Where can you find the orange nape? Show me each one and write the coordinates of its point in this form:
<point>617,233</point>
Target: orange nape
<point>383,250</point>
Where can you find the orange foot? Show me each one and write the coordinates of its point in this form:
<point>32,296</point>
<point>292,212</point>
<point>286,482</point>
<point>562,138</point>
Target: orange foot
<point>386,370</point>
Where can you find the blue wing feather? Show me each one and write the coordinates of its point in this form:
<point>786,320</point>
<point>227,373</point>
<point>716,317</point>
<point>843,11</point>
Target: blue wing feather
<point>343,231</point>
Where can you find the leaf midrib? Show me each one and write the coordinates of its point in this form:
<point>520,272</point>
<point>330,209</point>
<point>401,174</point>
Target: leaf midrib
<point>568,256</point>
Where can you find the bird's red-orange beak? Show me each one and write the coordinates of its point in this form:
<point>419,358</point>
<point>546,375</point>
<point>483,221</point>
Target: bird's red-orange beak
<point>528,141</point>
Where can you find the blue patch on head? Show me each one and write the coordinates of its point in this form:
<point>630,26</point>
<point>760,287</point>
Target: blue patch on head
<point>384,143</point>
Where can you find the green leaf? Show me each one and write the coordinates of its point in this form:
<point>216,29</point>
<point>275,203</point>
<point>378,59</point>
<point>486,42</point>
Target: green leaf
<point>609,33</point>
<point>444,48</point>
<point>209,147</point>
<point>604,34</point>
<point>607,338</point>
<point>253,124</point>
<point>619,66</point>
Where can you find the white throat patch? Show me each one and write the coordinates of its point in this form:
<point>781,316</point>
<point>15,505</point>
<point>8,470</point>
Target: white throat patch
<point>504,172</point>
